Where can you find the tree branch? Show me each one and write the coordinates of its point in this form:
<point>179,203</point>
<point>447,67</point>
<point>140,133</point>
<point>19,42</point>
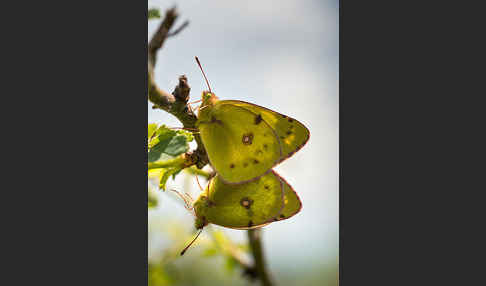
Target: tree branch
<point>184,25</point>
<point>160,35</point>
<point>254,238</point>
<point>175,103</point>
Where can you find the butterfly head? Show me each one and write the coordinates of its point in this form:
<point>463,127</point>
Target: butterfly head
<point>200,222</point>
<point>208,98</point>
<point>201,206</point>
<point>208,101</point>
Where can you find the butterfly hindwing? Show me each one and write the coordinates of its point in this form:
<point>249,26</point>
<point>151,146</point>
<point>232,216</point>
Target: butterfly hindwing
<point>292,203</point>
<point>240,145</point>
<point>249,205</point>
<point>292,134</point>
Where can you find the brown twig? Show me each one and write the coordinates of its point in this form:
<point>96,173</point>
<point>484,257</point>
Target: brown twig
<point>254,238</point>
<point>176,31</point>
<point>160,35</point>
<point>175,103</point>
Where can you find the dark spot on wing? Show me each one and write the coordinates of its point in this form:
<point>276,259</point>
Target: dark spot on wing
<point>281,137</point>
<point>289,132</point>
<point>258,119</point>
<point>282,216</point>
<point>245,164</point>
<point>214,120</point>
<point>284,116</point>
<point>246,202</point>
<point>265,146</point>
<point>250,223</point>
<point>258,152</point>
<point>247,139</point>
<point>291,120</point>
<point>232,166</point>
<point>255,161</point>
<point>267,187</point>
<point>291,127</point>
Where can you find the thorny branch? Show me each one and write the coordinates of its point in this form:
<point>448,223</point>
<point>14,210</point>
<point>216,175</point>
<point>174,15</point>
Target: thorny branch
<point>176,104</point>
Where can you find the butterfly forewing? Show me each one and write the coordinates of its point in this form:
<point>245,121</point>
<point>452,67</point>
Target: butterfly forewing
<point>292,134</point>
<point>241,146</point>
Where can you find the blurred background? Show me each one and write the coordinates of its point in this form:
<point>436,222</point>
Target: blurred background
<point>282,55</point>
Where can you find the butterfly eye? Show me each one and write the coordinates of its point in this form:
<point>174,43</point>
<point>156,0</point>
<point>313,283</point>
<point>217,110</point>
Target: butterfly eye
<point>206,95</point>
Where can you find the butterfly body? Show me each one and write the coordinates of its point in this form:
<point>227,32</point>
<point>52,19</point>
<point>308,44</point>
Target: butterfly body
<point>245,141</point>
<point>245,206</point>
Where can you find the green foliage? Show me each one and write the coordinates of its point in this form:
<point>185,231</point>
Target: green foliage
<point>165,143</point>
<point>153,13</point>
<point>152,127</point>
<point>165,152</point>
<point>157,276</point>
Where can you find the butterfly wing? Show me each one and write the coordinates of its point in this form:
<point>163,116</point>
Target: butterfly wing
<point>292,134</point>
<point>240,146</point>
<point>249,205</point>
<point>292,203</point>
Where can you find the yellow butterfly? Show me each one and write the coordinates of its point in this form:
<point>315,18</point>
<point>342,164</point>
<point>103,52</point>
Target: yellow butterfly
<point>244,206</point>
<point>250,205</point>
<point>244,141</point>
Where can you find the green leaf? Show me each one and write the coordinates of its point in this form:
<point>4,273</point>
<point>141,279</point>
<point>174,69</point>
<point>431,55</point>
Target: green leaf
<point>154,173</point>
<point>165,147</point>
<point>165,175</point>
<point>152,127</point>
<point>153,13</point>
<point>167,143</point>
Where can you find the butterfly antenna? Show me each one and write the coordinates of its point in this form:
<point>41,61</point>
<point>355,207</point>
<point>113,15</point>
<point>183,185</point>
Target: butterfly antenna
<point>189,197</point>
<point>187,247</point>
<point>192,102</point>
<point>197,179</point>
<point>187,204</point>
<point>207,82</point>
